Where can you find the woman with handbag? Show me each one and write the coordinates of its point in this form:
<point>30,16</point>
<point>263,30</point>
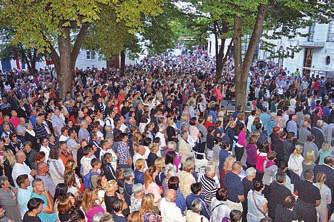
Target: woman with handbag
<point>257,203</point>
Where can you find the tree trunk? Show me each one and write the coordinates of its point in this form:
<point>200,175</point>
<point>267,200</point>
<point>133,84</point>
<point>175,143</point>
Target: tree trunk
<point>228,51</point>
<point>77,44</point>
<point>242,73</point>
<point>109,63</point>
<point>122,62</point>
<point>219,59</point>
<point>33,60</point>
<point>65,74</point>
<point>237,61</point>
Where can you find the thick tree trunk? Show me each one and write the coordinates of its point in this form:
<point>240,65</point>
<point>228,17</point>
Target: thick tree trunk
<point>122,62</point>
<point>242,71</point>
<point>219,59</point>
<point>109,63</point>
<point>65,74</point>
<point>237,61</point>
<point>77,44</point>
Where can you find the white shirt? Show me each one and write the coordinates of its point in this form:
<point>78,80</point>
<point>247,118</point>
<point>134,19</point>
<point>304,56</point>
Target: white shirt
<point>170,212</point>
<point>114,156</point>
<point>56,170</point>
<point>295,164</point>
<point>162,141</point>
<point>123,128</point>
<point>63,138</point>
<point>46,150</point>
<point>137,156</point>
<point>109,122</point>
<point>219,210</point>
<point>23,196</point>
<point>19,169</point>
<point>85,165</point>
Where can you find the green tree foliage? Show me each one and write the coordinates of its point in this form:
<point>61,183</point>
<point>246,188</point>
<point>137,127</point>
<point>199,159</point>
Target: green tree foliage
<point>59,27</point>
<point>157,32</point>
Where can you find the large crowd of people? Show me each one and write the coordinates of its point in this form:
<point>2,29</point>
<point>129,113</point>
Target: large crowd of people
<point>157,145</point>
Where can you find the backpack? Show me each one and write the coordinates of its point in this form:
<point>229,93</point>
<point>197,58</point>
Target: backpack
<point>87,179</point>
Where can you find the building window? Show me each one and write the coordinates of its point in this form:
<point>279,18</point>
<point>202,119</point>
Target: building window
<point>324,1</point>
<point>311,33</point>
<point>90,54</point>
<point>330,37</point>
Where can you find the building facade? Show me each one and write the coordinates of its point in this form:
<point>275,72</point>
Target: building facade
<point>315,55</point>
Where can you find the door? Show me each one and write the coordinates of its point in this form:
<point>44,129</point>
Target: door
<point>308,61</point>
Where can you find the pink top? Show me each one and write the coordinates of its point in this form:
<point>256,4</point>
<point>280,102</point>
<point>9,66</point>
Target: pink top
<point>242,138</point>
<point>154,189</point>
<point>93,211</point>
<point>15,121</point>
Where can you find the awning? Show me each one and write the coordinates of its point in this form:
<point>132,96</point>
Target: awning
<point>312,44</point>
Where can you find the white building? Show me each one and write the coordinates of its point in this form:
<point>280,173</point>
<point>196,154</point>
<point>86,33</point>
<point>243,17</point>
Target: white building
<point>86,58</point>
<point>316,55</point>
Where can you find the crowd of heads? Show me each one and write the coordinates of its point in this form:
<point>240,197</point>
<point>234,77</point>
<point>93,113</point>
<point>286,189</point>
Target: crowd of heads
<point>160,143</point>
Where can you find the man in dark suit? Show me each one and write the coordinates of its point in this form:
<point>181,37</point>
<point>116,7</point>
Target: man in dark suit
<point>318,134</point>
<point>328,169</point>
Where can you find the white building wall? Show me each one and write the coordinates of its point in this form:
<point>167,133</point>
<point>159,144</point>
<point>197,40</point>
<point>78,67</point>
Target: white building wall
<point>321,49</point>
<point>83,62</point>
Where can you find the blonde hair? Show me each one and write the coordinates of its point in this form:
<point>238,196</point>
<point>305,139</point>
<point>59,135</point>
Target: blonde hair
<point>298,150</point>
<point>9,155</point>
<point>70,165</point>
<point>309,158</point>
<point>147,204</point>
<point>137,137</point>
<point>159,164</point>
<point>229,162</point>
<point>140,164</point>
<point>148,176</point>
<point>320,178</point>
<point>154,147</point>
<point>135,217</point>
<point>111,185</point>
<point>89,198</point>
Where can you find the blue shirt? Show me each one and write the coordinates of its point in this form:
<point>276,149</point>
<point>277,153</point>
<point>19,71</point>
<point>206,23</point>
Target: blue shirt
<point>223,154</point>
<point>139,177</point>
<point>23,197</point>
<point>234,186</point>
<point>180,201</point>
<point>33,120</point>
<point>205,209</point>
<point>45,217</point>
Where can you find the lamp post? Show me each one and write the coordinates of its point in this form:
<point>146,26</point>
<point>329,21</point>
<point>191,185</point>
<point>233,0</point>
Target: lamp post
<point>281,55</point>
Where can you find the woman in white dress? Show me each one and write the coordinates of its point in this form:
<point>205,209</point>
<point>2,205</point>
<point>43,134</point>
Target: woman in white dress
<point>296,159</point>
<point>56,167</point>
<point>326,197</point>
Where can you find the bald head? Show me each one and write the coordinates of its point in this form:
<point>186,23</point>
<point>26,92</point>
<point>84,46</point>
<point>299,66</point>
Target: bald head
<point>20,157</point>
<point>170,195</point>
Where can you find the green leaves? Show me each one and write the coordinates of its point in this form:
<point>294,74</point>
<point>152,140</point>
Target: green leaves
<point>119,25</point>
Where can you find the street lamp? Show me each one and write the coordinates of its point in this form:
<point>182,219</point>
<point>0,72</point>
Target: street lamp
<point>281,55</point>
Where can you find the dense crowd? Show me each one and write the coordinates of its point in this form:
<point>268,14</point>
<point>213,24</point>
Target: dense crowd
<point>157,145</point>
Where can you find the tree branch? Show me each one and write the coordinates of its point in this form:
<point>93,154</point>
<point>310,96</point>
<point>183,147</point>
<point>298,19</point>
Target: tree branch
<point>256,34</point>
<point>78,42</point>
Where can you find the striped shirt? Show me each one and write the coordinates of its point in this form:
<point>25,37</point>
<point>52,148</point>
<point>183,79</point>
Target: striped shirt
<point>122,150</point>
<point>40,131</point>
<point>209,188</point>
